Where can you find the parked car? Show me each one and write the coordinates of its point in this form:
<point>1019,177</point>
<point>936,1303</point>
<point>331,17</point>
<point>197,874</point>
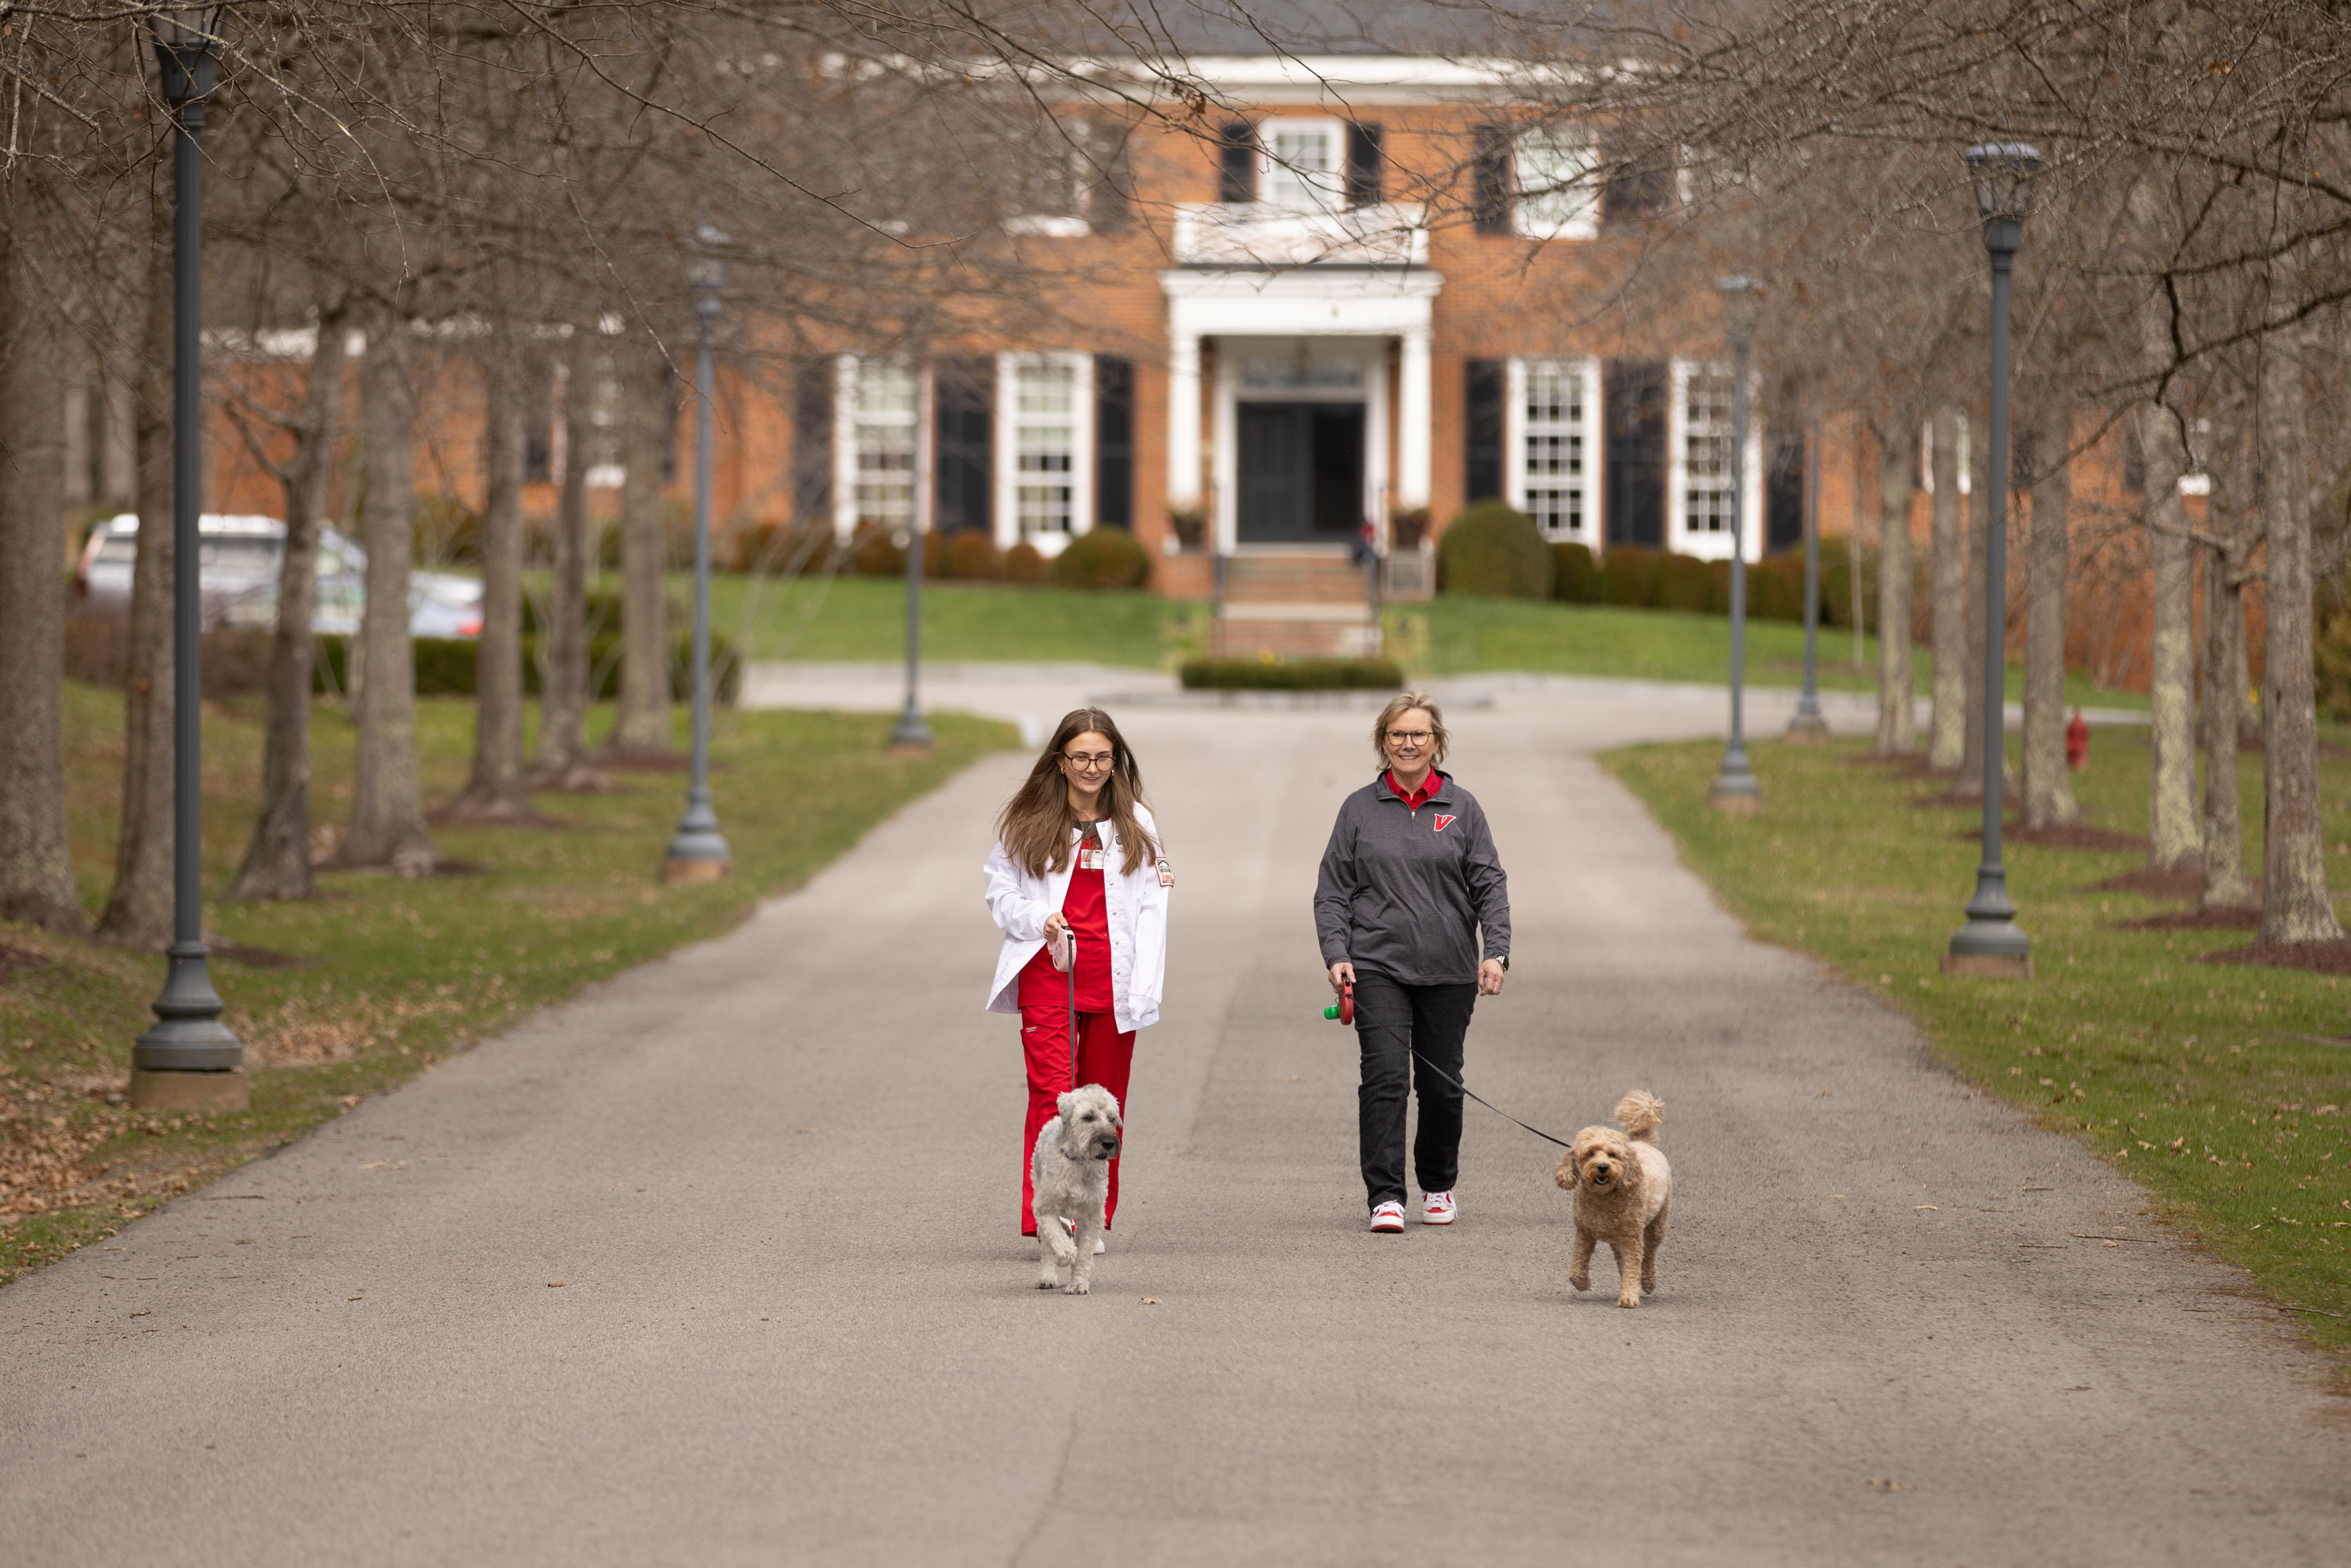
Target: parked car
<point>238,559</point>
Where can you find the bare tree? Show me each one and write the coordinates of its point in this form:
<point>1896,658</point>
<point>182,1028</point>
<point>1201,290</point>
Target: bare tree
<point>495,791</point>
<point>1897,722</point>
<point>387,827</point>
<point>562,762</point>
<point>2173,834</point>
<point>2227,569</point>
<point>1946,727</point>
<point>643,728</point>
<point>2048,786</point>
<point>277,861</point>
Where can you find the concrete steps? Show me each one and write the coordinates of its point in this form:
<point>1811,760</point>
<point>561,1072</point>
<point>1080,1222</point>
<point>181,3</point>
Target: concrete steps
<point>1295,604</point>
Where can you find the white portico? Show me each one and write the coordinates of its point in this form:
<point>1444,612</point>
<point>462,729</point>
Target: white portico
<point>1307,311</point>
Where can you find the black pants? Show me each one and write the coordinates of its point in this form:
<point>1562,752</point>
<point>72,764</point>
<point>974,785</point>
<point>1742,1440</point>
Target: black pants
<point>1392,1020</point>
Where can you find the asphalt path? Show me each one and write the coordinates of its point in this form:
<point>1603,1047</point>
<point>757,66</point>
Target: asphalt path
<point>718,1263</point>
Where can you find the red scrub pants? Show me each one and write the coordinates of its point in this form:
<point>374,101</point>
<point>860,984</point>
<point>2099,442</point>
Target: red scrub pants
<point>1105,1057</point>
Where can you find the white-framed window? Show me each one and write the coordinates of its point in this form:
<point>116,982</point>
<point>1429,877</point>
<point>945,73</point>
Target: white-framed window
<point>1044,445</point>
<point>1705,455</point>
<point>1552,432</point>
<point>882,443</point>
<point>1556,196</point>
<point>1301,164</point>
<point>1049,198</point>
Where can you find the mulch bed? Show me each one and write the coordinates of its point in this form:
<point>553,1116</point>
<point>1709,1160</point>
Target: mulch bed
<point>2149,882</point>
<point>2319,957</point>
<point>2071,836</point>
<point>2197,920</point>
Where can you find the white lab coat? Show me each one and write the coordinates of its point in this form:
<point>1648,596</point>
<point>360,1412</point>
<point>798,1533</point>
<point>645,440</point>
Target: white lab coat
<point>1136,907</point>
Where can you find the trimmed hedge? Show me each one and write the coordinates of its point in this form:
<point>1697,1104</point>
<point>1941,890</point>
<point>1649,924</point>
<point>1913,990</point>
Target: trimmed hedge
<point>449,667</point>
<point>1493,550</point>
<point>1628,575</point>
<point>1576,576</point>
<point>971,557</point>
<point>1684,583</point>
<point>1292,675</point>
<point>1104,558</point>
<point>1025,563</point>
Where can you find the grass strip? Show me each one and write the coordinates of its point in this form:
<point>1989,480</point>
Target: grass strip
<point>2224,1088</point>
<point>375,980</point>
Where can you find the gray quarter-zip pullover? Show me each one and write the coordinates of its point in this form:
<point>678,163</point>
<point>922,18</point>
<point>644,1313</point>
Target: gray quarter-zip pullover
<point>1407,892</point>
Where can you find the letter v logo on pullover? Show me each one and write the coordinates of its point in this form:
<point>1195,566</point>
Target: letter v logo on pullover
<point>1444,822</point>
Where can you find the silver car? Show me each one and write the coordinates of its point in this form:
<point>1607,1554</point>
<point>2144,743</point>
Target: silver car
<point>238,559</point>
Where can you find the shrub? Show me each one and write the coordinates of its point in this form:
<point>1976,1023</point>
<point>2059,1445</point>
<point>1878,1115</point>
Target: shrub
<point>1495,551</point>
<point>1576,578</point>
<point>876,552</point>
<point>601,609</point>
<point>773,549</point>
<point>1026,564</point>
<point>1292,675</point>
<point>1684,583</point>
<point>971,557</point>
<point>1837,586</point>
<point>1775,588</point>
<point>1628,575</point>
<point>451,666</point>
<point>1105,558</point>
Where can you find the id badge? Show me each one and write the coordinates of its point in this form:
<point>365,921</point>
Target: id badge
<point>1089,858</point>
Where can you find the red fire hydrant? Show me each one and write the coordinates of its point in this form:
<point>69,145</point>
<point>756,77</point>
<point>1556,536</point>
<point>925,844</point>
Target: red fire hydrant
<point>2077,742</point>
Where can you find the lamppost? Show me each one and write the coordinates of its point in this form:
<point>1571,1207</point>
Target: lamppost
<point>1991,943</point>
<point>1809,723</point>
<point>912,732</point>
<point>1734,790</point>
<point>697,851</point>
<point>189,1061</point>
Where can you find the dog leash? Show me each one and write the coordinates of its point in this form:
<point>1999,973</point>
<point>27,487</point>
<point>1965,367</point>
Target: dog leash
<point>1343,1011</point>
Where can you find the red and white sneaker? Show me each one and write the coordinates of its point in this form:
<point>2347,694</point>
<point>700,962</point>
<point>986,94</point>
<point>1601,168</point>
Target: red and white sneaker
<point>1387,1219</point>
<point>1437,1209</point>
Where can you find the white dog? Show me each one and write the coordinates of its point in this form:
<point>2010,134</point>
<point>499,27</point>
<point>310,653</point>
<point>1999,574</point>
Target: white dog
<point>1070,1169</point>
<point>1623,1188</point>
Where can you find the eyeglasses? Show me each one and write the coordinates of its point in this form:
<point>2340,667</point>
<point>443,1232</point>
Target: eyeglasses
<point>1089,764</point>
<point>1410,737</point>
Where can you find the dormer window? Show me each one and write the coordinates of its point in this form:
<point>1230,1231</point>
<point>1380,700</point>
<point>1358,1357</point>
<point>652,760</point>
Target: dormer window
<point>1302,164</point>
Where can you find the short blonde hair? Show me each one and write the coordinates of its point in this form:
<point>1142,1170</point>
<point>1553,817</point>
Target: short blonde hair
<point>1400,704</point>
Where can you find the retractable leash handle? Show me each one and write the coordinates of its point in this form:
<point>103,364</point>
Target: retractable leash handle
<point>1344,1009</point>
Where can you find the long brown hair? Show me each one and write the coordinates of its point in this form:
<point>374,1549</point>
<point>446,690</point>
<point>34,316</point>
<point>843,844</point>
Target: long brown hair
<point>1035,824</point>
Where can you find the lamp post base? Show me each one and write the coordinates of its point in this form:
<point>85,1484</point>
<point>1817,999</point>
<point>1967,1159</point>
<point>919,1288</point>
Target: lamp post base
<point>912,733</point>
<point>155,1090</point>
<point>1809,727</point>
<point>1736,791</point>
<point>1992,966</point>
<point>1994,947</point>
<point>677,872</point>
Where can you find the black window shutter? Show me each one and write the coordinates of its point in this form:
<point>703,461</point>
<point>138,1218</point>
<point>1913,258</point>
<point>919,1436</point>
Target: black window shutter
<point>1113,442</point>
<point>965,394</point>
<point>1484,443</point>
<point>1365,169</point>
<point>1111,204</point>
<point>1237,162</point>
<point>813,394</point>
<point>1634,395</point>
<point>1638,186</point>
<point>537,419</point>
<point>1490,170</point>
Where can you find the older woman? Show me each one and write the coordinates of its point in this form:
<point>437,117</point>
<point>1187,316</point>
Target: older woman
<point>1410,884</point>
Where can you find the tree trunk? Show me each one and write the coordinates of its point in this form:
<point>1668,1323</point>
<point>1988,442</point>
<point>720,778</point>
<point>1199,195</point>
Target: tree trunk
<point>1897,720</point>
<point>642,729</point>
<point>2174,838</point>
<point>562,759</point>
<point>387,811</point>
<point>1969,785</point>
<point>37,873</point>
<point>277,861</point>
<point>139,908</point>
<point>2225,885</point>
<point>2294,902</point>
<point>495,793</point>
<point>2048,786</point>
<point>1947,729</point>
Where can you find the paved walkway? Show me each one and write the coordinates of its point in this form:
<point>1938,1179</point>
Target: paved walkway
<point>775,1178</point>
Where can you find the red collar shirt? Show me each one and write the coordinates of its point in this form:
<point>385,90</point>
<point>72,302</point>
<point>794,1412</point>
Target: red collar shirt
<point>1415,799</point>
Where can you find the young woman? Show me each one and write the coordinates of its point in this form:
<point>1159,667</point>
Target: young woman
<point>1409,884</point>
<point>1077,852</point>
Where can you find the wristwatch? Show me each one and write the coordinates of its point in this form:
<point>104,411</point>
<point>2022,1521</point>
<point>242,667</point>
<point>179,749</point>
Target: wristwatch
<point>1504,960</point>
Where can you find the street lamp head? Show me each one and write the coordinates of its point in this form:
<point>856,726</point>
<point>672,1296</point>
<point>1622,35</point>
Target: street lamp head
<point>1742,300</point>
<point>2003,174</point>
<point>185,38</point>
<point>705,264</point>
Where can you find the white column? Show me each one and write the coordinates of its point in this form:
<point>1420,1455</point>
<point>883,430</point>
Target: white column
<point>1412,420</point>
<point>1184,418</point>
<point>844,447</point>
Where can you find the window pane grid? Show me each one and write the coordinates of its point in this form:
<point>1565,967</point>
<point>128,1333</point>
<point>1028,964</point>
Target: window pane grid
<point>884,441</point>
<point>1552,449</point>
<point>1706,454</point>
<point>1045,448</point>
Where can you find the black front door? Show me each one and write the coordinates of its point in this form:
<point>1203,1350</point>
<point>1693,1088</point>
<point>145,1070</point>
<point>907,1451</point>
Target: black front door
<point>1301,472</point>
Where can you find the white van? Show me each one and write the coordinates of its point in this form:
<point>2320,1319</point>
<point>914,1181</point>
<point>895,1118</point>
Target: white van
<point>238,558</point>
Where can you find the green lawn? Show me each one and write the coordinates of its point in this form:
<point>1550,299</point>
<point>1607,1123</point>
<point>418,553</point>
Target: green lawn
<point>2197,1079</point>
<point>385,975</point>
<point>863,618</point>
